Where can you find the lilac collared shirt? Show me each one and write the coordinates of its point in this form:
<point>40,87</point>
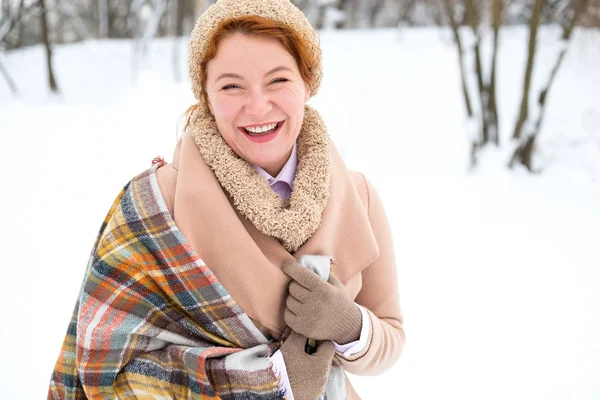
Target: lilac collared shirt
<point>283,185</point>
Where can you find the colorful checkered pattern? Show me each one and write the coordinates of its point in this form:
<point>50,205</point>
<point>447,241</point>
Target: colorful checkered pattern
<point>152,321</point>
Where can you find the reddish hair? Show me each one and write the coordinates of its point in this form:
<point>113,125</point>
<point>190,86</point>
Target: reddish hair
<point>253,25</point>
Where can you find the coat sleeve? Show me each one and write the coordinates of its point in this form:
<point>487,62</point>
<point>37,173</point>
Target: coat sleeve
<point>379,295</point>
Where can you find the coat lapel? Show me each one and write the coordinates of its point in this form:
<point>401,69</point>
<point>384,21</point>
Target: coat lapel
<point>248,262</point>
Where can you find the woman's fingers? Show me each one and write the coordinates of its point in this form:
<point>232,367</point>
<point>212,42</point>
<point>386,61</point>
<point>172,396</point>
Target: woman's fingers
<point>302,275</point>
<point>298,291</point>
<point>293,305</point>
<point>290,318</point>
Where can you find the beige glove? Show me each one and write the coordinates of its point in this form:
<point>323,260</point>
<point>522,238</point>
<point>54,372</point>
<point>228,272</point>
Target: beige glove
<point>308,374</point>
<point>318,309</point>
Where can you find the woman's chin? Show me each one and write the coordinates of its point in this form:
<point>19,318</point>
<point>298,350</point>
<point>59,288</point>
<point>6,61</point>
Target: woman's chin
<point>266,165</point>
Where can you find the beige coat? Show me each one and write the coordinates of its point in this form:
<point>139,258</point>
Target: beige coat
<point>354,231</point>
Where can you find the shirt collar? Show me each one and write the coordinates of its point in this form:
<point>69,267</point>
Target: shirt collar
<point>287,173</point>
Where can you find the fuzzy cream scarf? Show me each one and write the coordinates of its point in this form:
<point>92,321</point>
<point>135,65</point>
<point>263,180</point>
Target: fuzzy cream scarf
<point>292,222</point>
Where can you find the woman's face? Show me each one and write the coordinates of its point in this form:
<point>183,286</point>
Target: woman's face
<point>257,97</point>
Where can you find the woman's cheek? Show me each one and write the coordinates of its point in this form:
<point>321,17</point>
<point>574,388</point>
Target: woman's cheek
<point>228,108</point>
<point>290,99</point>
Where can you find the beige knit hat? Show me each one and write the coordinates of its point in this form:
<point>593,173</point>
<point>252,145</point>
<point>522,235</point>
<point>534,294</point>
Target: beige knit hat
<point>279,10</point>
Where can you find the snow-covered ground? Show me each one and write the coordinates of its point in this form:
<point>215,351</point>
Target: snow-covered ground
<point>499,271</point>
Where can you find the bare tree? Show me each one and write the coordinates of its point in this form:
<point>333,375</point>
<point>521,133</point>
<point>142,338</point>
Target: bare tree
<point>8,20</point>
<point>351,10</point>
<point>405,12</point>
<point>103,19</point>
<point>143,33</point>
<point>73,18</point>
<point>534,23</point>
<point>492,105</point>
<point>342,5</point>
<point>154,22</point>
<point>592,17</point>
<point>46,41</point>
<point>449,8</point>
<point>316,11</point>
<point>432,11</point>
<point>377,6</point>
<point>523,154</point>
<point>9,81</point>
<point>473,14</point>
<point>489,113</point>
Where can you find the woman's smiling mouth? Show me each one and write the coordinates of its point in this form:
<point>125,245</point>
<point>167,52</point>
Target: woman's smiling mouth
<point>257,130</point>
<point>262,133</point>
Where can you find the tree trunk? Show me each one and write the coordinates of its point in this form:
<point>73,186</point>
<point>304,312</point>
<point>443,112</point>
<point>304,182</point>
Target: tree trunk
<point>351,8</point>
<point>321,10</point>
<point>492,109</point>
<point>154,22</point>
<point>22,32</point>
<point>461,62</point>
<point>103,19</point>
<point>483,91</point>
<point>474,21</point>
<point>74,19</point>
<point>524,153</point>
<point>9,20</point>
<point>8,79</point>
<point>180,12</point>
<point>342,5</point>
<point>20,26</point>
<point>46,41</point>
<point>406,12</point>
<point>533,28</point>
<point>375,10</point>
<point>133,21</point>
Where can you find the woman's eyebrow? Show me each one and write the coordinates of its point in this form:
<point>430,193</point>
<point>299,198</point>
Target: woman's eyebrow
<point>231,75</point>
<point>277,69</point>
<point>228,75</point>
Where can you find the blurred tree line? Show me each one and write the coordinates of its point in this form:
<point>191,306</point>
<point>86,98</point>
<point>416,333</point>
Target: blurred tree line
<point>475,25</point>
<point>22,21</point>
<point>482,20</point>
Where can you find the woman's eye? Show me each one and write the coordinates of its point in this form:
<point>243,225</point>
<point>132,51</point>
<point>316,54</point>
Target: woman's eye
<point>279,80</point>
<point>231,86</point>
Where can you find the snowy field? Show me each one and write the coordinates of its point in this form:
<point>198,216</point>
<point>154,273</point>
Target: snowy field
<point>499,270</point>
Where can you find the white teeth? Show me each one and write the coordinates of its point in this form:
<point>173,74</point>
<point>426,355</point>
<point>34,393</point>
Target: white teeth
<point>259,129</point>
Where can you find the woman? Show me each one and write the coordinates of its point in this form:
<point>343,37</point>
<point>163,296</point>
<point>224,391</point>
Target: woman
<point>214,276</point>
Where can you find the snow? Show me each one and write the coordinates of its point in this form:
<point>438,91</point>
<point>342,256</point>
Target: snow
<point>498,269</point>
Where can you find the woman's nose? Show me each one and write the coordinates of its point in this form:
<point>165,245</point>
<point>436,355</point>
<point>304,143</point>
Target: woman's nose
<point>258,104</point>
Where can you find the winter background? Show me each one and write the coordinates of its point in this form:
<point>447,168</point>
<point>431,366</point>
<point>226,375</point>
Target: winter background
<point>499,269</point>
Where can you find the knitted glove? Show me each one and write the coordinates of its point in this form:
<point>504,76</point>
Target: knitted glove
<point>308,374</point>
<point>318,309</point>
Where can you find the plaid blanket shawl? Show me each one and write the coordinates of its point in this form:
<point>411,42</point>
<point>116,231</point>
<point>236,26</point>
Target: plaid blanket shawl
<point>152,321</point>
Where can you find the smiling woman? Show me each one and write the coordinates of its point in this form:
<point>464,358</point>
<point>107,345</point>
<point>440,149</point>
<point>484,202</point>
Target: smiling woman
<point>255,265</point>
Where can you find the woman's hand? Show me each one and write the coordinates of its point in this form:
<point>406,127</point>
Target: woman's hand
<point>318,309</point>
<point>308,374</point>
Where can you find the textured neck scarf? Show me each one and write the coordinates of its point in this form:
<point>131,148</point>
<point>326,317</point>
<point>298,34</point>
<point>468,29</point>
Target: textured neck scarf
<point>244,232</point>
<point>292,222</point>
